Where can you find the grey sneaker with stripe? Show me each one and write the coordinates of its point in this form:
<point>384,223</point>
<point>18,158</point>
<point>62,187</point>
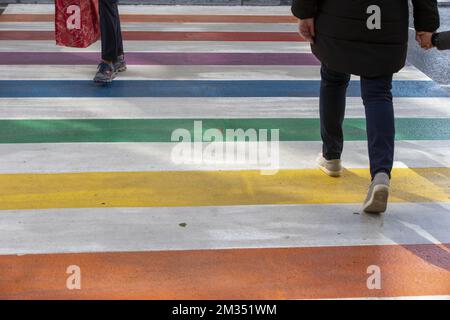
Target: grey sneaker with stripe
<point>120,65</point>
<point>105,73</point>
<point>378,194</point>
<point>333,168</point>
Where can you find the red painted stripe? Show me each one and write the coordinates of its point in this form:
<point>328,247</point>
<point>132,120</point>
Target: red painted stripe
<point>288,273</point>
<point>167,36</point>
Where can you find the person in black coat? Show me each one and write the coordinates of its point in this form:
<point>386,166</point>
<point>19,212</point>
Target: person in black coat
<point>369,39</point>
<point>438,40</point>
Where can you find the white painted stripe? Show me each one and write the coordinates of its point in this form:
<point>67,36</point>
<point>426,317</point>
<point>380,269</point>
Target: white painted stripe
<point>167,72</point>
<point>422,232</point>
<point>271,226</point>
<point>195,108</point>
<point>160,27</point>
<point>131,157</point>
<point>164,46</point>
<point>176,72</point>
<point>440,297</point>
<point>161,9</point>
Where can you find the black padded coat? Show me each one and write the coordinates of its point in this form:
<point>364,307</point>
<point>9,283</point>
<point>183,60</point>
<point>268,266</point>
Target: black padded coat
<point>344,42</point>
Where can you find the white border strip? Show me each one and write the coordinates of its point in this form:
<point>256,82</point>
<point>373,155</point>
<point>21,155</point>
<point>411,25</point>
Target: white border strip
<point>202,108</point>
<point>161,9</point>
<point>163,156</point>
<point>164,46</point>
<point>166,27</point>
<point>182,72</point>
<point>437,297</point>
<point>230,227</point>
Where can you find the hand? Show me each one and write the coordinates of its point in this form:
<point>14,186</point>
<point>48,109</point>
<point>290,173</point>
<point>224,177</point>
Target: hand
<point>424,39</point>
<point>306,29</point>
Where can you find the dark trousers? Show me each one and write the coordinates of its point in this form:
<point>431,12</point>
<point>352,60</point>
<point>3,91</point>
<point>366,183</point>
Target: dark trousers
<point>377,98</point>
<point>112,45</point>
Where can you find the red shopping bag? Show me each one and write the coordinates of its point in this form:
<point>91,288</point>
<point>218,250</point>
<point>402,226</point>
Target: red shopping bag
<point>76,23</point>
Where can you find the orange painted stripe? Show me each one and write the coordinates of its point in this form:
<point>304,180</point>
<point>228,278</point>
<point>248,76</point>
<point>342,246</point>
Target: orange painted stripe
<point>162,18</point>
<point>287,273</point>
<point>167,36</point>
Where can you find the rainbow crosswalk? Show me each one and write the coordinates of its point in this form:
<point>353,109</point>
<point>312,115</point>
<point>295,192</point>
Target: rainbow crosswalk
<point>87,175</point>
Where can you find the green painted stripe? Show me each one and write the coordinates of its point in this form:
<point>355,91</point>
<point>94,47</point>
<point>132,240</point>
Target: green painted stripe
<point>160,130</point>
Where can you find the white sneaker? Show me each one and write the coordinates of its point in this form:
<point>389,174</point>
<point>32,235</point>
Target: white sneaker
<point>333,168</point>
<point>377,197</point>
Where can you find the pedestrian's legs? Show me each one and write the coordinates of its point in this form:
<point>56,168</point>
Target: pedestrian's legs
<point>110,29</point>
<point>377,98</point>
<point>120,50</point>
<point>333,89</point>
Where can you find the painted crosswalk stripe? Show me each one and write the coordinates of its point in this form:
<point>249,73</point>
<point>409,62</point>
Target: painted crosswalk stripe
<point>199,88</point>
<point>165,10</point>
<point>188,188</point>
<point>202,108</point>
<point>165,27</point>
<point>227,227</point>
<point>167,35</point>
<point>218,70</point>
<point>163,46</point>
<point>189,69</point>
<point>280,273</point>
<point>157,156</point>
<point>160,130</point>
<point>161,58</point>
<point>172,18</point>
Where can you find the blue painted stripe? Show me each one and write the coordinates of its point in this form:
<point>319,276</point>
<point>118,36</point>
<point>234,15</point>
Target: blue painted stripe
<point>158,88</point>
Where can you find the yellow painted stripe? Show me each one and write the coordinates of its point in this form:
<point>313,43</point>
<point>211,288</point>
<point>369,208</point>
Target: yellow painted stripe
<point>196,188</point>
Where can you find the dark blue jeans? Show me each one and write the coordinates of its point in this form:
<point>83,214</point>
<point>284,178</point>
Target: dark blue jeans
<point>377,98</point>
